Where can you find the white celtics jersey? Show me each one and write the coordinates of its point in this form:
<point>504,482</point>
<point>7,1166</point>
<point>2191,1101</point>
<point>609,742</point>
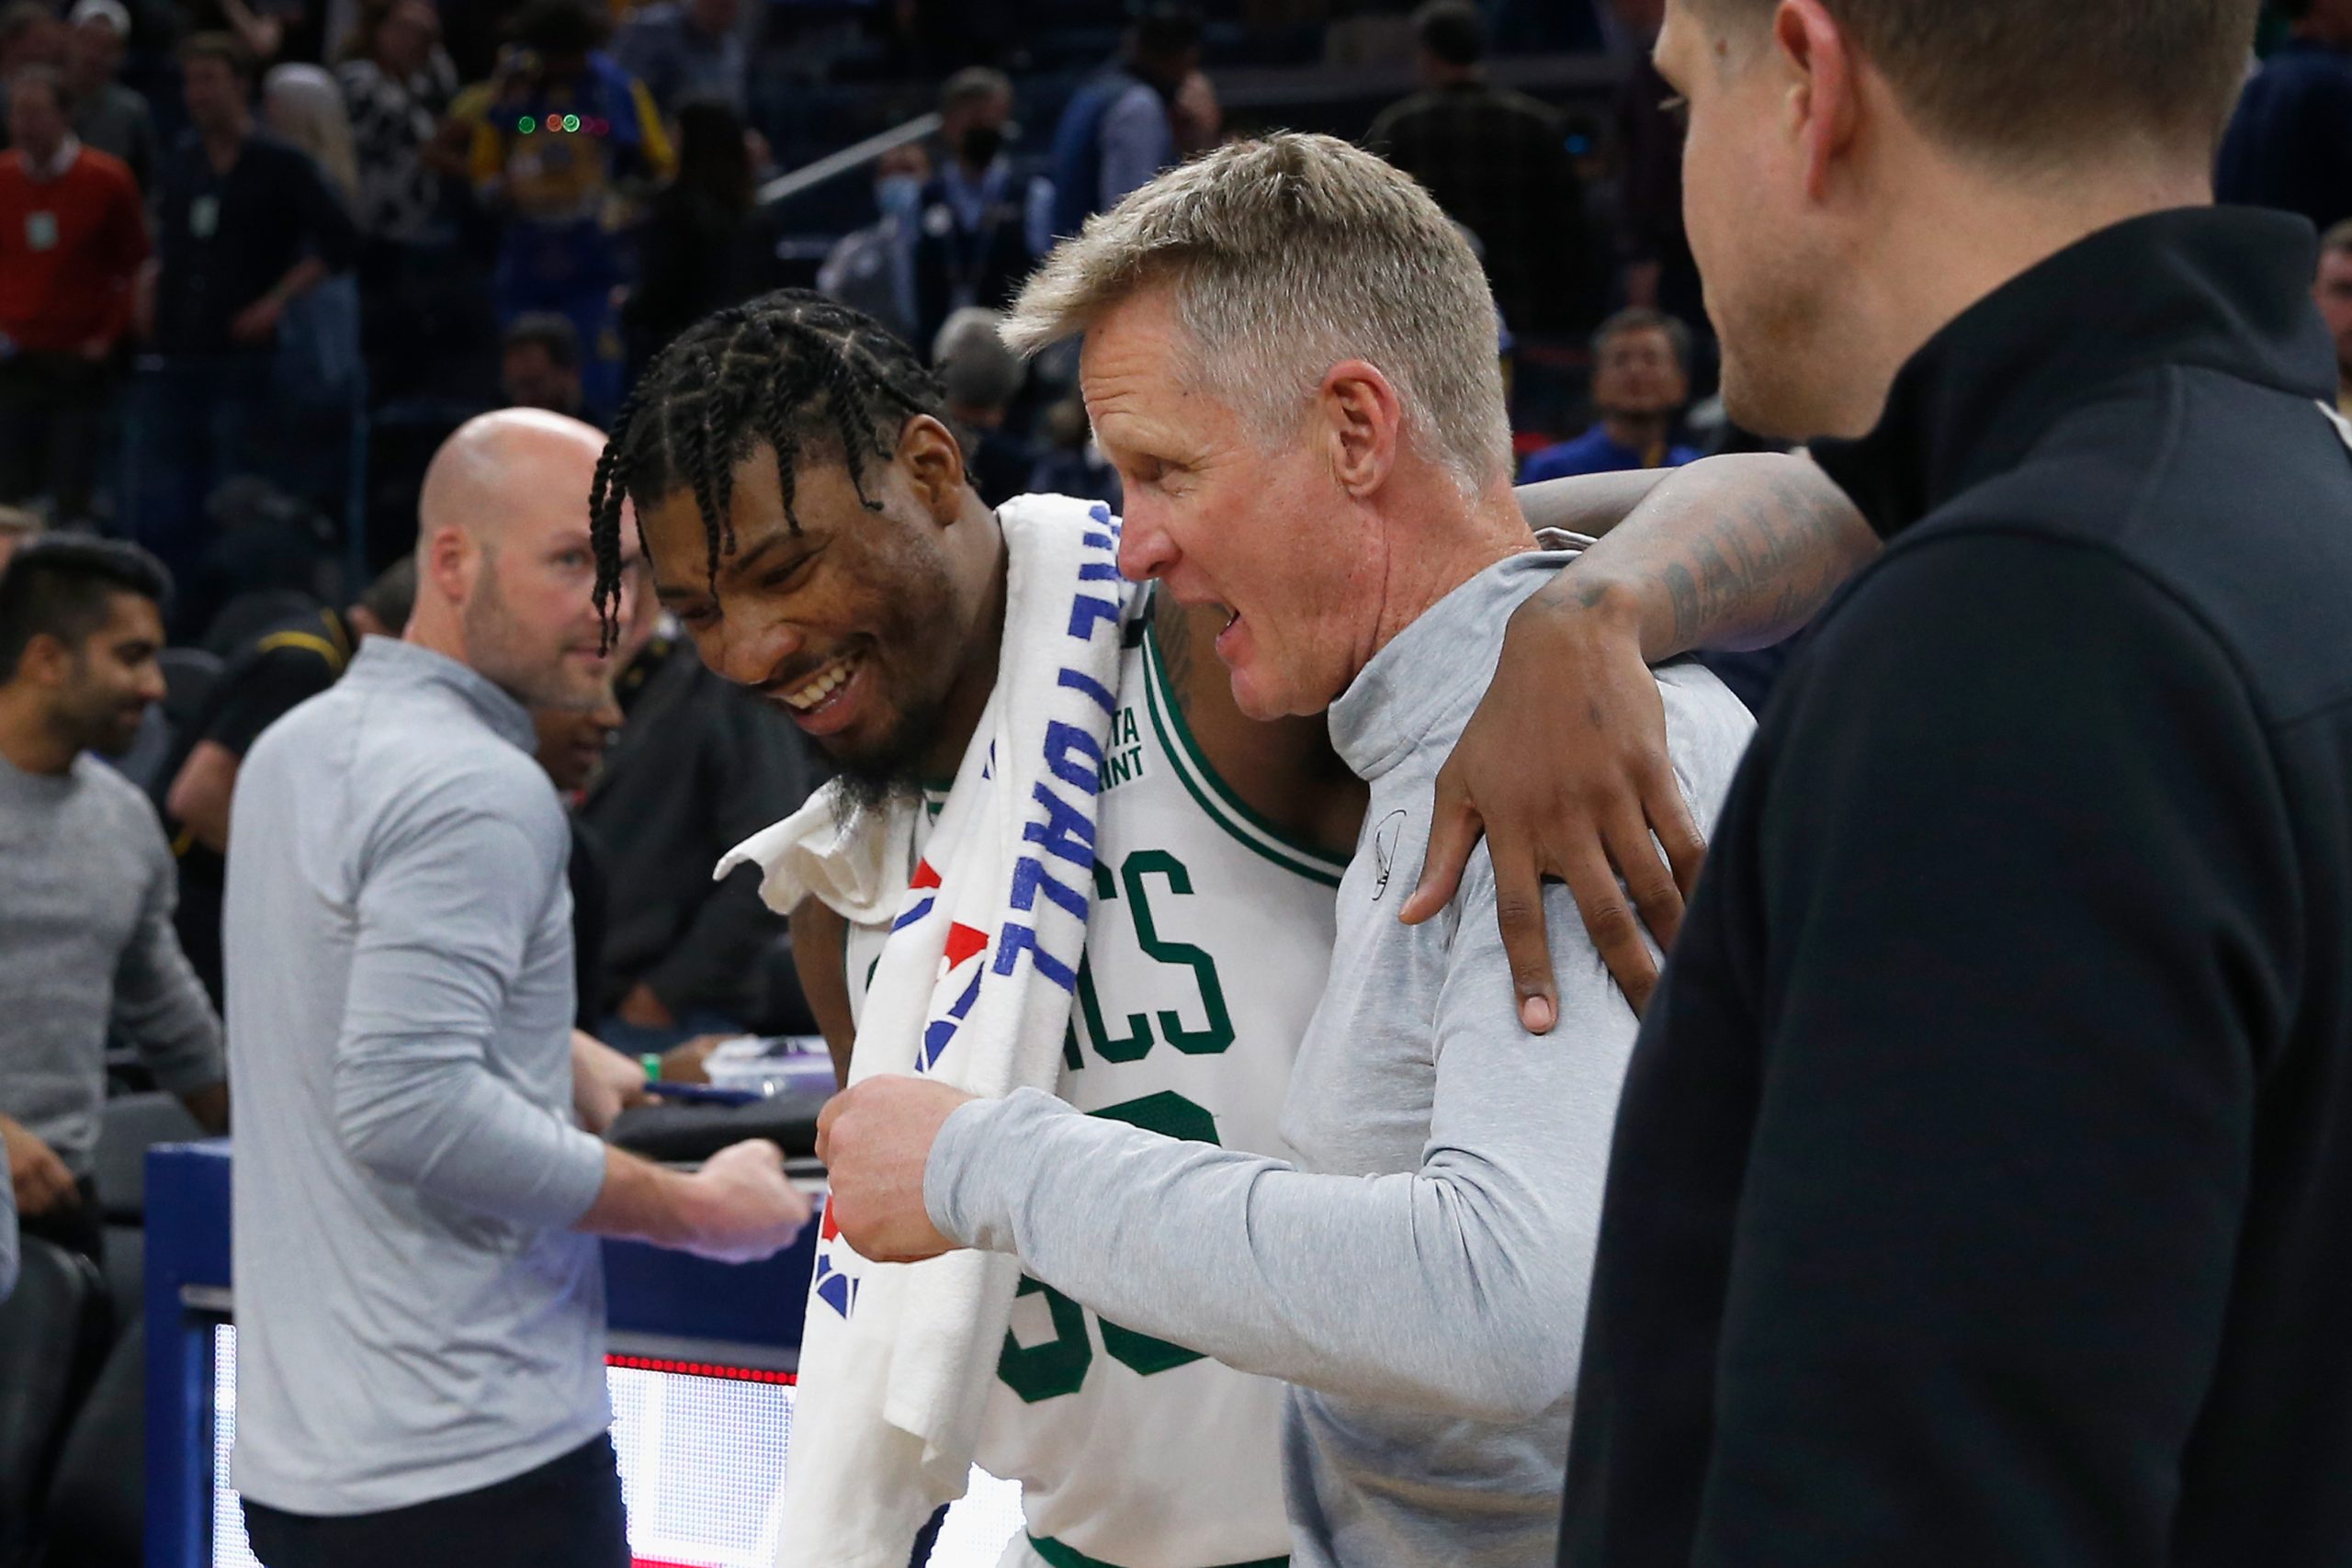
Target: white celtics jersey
<point>1206,951</point>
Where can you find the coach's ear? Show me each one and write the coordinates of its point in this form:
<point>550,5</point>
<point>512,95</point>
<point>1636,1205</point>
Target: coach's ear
<point>1361,418</point>
<point>934,463</point>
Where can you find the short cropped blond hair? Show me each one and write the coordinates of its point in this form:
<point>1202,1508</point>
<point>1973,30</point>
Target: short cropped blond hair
<point>1286,257</point>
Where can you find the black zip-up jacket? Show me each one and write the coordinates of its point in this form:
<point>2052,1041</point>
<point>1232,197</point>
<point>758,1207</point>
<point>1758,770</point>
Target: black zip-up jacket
<point>1982,1195</point>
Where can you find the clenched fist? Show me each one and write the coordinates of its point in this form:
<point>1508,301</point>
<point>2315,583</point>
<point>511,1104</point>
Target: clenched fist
<point>875,1138</point>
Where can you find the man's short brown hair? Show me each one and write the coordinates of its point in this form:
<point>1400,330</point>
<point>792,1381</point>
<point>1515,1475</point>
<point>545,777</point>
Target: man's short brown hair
<point>2029,79</point>
<point>226,47</point>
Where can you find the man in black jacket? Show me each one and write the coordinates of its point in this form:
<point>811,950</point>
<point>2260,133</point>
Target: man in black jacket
<point>1982,1184</point>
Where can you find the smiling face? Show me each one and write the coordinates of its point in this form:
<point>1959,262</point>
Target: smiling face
<point>865,627</point>
<point>1268,536</point>
<point>113,678</point>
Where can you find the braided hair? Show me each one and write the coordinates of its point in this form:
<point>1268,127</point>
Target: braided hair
<point>787,369</point>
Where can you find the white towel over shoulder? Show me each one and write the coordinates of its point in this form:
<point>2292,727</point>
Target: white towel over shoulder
<point>974,989</point>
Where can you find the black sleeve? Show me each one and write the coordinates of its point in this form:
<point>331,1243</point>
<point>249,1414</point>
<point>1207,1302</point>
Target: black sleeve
<point>2029,902</point>
<point>266,691</point>
<point>584,871</point>
<point>324,222</point>
<point>762,777</point>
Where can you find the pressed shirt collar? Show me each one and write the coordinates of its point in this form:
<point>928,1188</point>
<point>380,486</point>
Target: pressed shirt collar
<point>394,665</point>
<point>2226,289</point>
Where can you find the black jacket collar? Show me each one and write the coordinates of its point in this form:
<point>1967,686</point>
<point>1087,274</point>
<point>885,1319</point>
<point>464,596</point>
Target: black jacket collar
<point>2224,289</point>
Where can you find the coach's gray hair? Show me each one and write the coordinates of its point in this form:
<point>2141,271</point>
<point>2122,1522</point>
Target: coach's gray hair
<point>1286,257</point>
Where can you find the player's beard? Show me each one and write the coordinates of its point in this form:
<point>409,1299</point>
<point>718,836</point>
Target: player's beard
<point>876,777</point>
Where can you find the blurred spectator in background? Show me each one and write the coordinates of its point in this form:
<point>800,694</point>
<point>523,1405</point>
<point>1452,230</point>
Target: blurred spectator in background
<point>288,660</point>
<point>699,766</point>
<point>1070,463</point>
<point>72,239</point>
<point>539,364</point>
<point>686,48</point>
<point>1651,241</point>
<point>318,365</point>
<point>18,527</point>
<point>245,226</point>
<point>571,746</point>
<point>425,297</point>
<point>1641,380</point>
<point>30,34</point>
<point>2289,144</point>
<point>2332,290</point>
<point>567,135</point>
<point>1497,161</point>
<point>304,109</point>
<point>1121,129</point>
<point>87,945</point>
<point>972,242</point>
<point>982,378</point>
<point>701,248</point>
<point>873,269</point>
<point>108,115</point>
<point>394,81</point>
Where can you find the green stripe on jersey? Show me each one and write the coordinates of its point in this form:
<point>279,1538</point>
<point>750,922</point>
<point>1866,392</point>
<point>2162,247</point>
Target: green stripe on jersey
<point>1226,809</point>
<point>1061,1556</point>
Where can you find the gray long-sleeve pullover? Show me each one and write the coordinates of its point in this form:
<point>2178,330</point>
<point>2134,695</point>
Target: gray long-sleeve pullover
<point>87,942</point>
<point>1421,1272</point>
<point>415,1317</point>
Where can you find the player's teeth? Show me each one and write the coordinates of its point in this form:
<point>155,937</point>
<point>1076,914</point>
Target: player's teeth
<point>818,690</point>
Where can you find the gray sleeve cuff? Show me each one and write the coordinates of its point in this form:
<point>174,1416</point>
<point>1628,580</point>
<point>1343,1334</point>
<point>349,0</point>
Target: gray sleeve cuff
<point>974,1162</point>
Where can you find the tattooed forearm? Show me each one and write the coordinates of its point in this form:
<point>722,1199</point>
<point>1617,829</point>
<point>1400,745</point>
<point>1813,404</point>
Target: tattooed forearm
<point>1735,552</point>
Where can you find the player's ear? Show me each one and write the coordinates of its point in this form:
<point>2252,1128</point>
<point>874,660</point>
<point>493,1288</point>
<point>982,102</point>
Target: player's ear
<point>932,461</point>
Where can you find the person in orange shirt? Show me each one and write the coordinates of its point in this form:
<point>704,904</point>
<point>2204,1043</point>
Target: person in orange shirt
<point>73,238</point>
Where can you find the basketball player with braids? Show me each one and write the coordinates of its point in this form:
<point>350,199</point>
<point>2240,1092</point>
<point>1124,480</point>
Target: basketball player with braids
<point>808,519</point>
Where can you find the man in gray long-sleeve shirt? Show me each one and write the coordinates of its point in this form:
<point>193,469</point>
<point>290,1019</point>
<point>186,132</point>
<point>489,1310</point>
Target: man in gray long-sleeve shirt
<point>86,884</point>
<point>1339,481</point>
<point>421,1316</point>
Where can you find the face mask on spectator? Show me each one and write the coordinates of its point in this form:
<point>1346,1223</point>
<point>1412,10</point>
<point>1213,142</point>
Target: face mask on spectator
<point>899,196</point>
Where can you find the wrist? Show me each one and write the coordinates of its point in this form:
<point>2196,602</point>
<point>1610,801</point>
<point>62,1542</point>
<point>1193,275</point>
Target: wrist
<point>1592,602</point>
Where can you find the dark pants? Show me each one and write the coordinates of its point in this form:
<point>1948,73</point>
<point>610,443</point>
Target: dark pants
<point>52,427</point>
<point>566,1513</point>
<point>75,1224</point>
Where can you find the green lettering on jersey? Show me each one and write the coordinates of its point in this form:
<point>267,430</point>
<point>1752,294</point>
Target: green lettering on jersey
<point>1137,1042</point>
<point>1218,1035</point>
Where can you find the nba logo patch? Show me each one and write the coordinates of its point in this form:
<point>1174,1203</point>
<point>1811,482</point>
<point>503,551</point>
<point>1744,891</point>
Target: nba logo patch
<point>835,1287</point>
